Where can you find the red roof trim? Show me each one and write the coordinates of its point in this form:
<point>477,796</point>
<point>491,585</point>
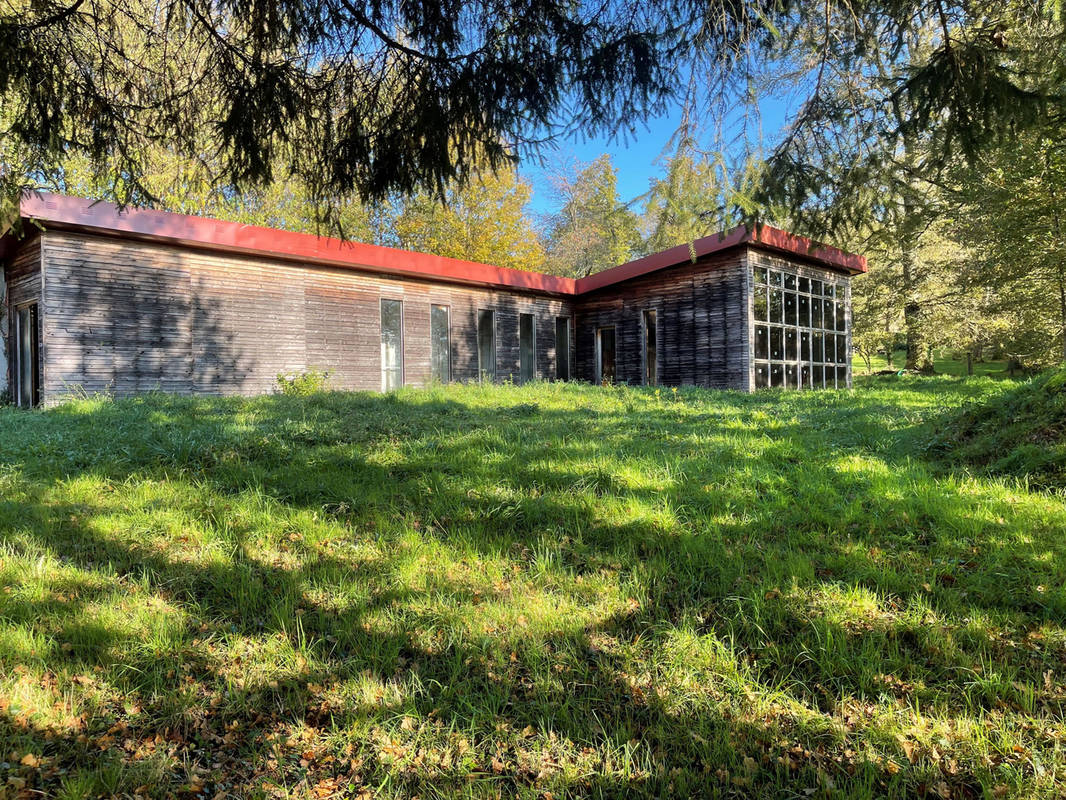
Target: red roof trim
<point>765,236</point>
<point>233,237</point>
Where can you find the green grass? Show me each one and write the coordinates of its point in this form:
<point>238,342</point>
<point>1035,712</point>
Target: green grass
<point>944,363</point>
<point>553,590</point>
<point>1020,431</point>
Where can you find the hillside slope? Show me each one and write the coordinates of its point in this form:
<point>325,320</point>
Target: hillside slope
<point>1020,431</point>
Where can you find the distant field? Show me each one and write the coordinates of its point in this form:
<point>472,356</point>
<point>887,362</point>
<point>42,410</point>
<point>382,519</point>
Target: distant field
<point>548,591</point>
<point>943,363</point>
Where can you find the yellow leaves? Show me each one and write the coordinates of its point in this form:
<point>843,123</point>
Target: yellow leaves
<point>30,760</point>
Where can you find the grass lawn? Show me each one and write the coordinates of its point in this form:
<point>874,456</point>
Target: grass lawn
<point>943,364</point>
<point>549,591</point>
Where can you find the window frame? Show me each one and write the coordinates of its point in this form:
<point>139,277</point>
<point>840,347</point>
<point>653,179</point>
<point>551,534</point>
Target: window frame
<point>381,329</point>
<point>481,371</point>
<point>599,352</point>
<point>433,343</point>
<point>566,347</point>
<point>532,317</point>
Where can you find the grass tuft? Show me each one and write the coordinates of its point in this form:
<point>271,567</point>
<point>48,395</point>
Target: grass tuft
<point>548,590</point>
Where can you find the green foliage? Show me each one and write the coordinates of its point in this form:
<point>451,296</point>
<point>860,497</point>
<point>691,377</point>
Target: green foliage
<point>593,230</point>
<point>479,591</point>
<point>1019,431</point>
<point>303,384</point>
<point>484,220</point>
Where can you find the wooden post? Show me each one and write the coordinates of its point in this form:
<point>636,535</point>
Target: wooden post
<point>969,363</point>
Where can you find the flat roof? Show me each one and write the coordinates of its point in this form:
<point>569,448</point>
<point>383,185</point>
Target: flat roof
<point>78,214</point>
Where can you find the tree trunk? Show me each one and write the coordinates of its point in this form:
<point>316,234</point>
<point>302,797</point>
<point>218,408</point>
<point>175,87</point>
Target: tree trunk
<point>912,314</point>
<point>1062,311</point>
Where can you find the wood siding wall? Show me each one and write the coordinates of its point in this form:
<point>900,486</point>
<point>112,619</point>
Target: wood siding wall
<point>702,320</point>
<point>122,317</point>
<point>22,276</point>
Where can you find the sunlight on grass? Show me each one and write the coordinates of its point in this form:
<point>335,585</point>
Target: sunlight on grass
<point>474,591</point>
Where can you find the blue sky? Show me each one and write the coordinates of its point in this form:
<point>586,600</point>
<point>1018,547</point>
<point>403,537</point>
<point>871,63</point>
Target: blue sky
<point>635,156</point>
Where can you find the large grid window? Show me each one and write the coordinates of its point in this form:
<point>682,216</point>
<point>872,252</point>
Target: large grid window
<point>801,337</point>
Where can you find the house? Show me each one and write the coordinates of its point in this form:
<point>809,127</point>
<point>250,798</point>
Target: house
<point>99,300</point>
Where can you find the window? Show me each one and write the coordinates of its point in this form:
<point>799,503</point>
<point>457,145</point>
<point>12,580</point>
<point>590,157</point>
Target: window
<point>527,348</point>
<point>605,355</point>
<point>651,370</point>
<point>27,366</point>
<point>486,345</point>
<point>391,344</point>
<point>800,331</point>
<point>562,348</point>
<point>440,343</point>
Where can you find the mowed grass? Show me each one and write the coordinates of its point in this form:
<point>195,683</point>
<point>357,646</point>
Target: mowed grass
<point>547,591</point>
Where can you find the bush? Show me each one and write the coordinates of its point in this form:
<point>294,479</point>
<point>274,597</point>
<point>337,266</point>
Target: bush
<point>303,384</point>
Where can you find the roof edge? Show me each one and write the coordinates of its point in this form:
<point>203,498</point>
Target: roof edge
<point>75,213</point>
<point>764,236</point>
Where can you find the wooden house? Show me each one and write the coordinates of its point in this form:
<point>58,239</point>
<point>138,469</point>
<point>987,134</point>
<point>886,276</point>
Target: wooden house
<point>98,300</point>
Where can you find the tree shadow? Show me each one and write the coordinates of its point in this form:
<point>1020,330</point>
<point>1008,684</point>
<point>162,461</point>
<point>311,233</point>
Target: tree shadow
<point>759,563</point>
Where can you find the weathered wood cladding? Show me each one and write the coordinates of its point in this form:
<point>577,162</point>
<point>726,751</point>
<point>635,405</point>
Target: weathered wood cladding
<point>22,275</point>
<point>701,319</point>
<point>124,316</point>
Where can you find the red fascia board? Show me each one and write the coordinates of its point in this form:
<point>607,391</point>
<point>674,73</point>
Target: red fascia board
<point>765,236</point>
<point>785,242</point>
<point>233,237</point>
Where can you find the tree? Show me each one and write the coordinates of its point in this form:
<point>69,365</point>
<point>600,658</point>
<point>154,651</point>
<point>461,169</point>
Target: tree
<point>370,100</point>
<point>1011,216</point>
<point>685,204</point>
<point>483,220</point>
<point>593,230</point>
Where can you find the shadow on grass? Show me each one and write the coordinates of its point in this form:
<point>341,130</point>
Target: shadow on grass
<point>780,581</point>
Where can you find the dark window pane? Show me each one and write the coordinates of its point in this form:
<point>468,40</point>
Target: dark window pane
<point>775,278</point>
<point>776,348</point>
<point>759,303</point>
<point>830,290</point>
<point>562,348</point>
<point>790,376</point>
<point>805,376</point>
<point>816,347</point>
<point>841,321</point>
<point>790,308</point>
<point>816,312</point>
<point>440,344</point>
<point>842,377</point>
<point>805,345</point>
<point>762,376</point>
<point>777,375</point>
<point>762,341</point>
<point>527,356</point>
<point>816,287</point>
<point>790,344</point>
<point>760,274</point>
<point>486,345</point>
<point>391,344</point>
<point>790,281</point>
<point>842,349</point>
<point>804,303</point>
<point>804,284</point>
<point>776,306</point>
<point>816,376</point>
